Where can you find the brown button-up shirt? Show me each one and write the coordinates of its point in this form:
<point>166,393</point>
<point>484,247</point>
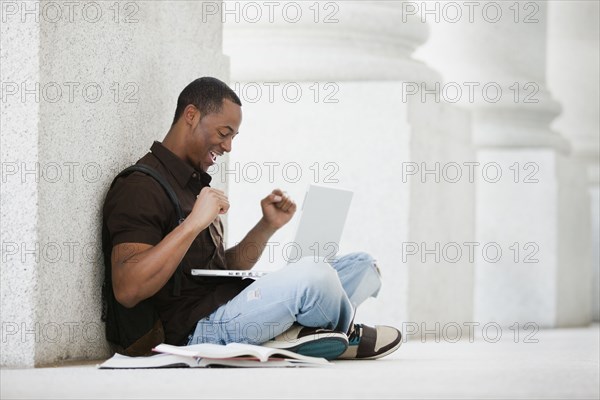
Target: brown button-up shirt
<point>137,210</point>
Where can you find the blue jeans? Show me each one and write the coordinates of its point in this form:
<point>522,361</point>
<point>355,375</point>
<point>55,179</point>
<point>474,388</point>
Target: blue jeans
<point>311,292</point>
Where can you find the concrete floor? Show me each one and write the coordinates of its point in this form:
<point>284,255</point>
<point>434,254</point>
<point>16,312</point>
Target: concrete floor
<point>563,364</point>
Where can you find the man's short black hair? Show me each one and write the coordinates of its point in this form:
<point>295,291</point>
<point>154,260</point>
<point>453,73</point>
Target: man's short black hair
<point>207,95</point>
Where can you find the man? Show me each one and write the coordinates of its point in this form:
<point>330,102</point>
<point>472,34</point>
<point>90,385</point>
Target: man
<point>307,307</point>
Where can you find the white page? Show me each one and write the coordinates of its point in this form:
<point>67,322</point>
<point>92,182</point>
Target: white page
<point>208,350</point>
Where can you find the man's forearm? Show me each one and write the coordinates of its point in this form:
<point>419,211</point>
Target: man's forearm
<point>246,253</point>
<point>142,274</point>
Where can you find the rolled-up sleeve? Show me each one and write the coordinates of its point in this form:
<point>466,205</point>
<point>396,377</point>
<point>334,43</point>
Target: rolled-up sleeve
<point>137,210</point>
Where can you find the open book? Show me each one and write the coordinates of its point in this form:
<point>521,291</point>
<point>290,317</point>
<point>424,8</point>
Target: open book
<point>207,355</point>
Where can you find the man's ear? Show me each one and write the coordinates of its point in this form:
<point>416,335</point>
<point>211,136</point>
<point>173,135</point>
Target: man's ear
<point>191,115</point>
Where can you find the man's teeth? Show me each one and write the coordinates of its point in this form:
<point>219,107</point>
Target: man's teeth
<point>213,155</point>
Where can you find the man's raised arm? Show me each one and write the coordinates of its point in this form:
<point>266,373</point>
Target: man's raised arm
<point>140,270</point>
<point>277,209</point>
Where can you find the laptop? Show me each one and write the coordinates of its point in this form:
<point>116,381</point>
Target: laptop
<point>322,219</point>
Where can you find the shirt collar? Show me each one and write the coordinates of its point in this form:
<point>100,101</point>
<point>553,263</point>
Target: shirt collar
<point>178,168</point>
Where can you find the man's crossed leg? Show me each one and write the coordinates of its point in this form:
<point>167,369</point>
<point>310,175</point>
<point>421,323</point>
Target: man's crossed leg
<point>279,310</point>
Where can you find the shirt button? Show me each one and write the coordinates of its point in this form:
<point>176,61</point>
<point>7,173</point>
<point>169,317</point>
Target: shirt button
<point>194,175</point>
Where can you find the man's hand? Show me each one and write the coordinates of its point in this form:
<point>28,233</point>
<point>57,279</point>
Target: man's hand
<point>277,209</point>
<point>209,203</point>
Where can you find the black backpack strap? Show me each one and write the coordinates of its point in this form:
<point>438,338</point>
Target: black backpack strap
<point>172,197</point>
<point>162,181</point>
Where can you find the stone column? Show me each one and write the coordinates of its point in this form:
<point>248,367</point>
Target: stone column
<point>86,88</point>
<point>364,133</point>
<point>573,77</point>
<point>18,202</point>
<point>531,215</point>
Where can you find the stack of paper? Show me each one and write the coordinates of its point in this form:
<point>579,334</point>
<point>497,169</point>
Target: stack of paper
<point>214,355</point>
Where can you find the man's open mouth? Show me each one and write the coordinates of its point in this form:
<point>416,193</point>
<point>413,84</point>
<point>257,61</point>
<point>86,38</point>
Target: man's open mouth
<point>214,156</point>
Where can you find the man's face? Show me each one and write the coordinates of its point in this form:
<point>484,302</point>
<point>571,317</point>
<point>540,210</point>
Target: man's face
<point>212,135</point>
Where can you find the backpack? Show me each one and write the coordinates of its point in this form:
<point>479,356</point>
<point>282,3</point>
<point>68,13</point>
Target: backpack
<point>134,331</point>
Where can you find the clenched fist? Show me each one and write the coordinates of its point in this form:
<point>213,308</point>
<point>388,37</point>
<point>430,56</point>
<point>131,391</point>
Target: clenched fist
<point>209,203</point>
<point>277,208</point>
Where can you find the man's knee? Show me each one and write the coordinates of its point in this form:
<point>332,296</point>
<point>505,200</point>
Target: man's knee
<point>316,275</point>
<point>360,260</point>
